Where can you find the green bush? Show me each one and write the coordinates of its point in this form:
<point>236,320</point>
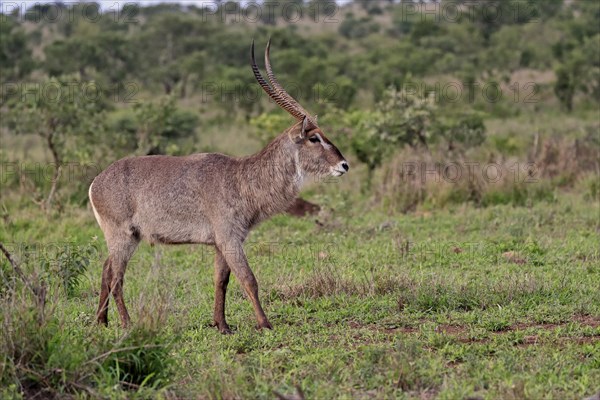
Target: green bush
<point>44,354</point>
<point>461,129</point>
<point>268,126</point>
<point>69,265</point>
<point>143,360</point>
<point>356,28</point>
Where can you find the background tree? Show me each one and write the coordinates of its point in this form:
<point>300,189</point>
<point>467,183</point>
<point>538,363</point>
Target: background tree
<point>169,47</point>
<point>154,127</point>
<point>460,130</point>
<point>200,56</point>
<point>104,57</point>
<point>405,118</point>
<point>68,114</point>
<point>356,28</point>
<point>579,54</point>
<point>16,60</point>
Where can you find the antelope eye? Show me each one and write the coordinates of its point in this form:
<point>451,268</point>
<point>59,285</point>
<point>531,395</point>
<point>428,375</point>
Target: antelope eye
<point>314,139</point>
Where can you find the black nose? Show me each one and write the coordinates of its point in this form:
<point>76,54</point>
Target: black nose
<point>345,166</point>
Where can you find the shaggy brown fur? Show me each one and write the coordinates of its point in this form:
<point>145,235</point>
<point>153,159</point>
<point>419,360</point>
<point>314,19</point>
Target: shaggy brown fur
<point>211,199</point>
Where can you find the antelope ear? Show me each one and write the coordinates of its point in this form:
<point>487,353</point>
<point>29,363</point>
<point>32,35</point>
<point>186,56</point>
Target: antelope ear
<point>297,134</point>
<point>308,125</point>
<point>305,127</point>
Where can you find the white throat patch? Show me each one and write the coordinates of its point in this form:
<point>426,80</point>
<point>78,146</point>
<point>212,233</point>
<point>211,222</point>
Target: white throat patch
<point>299,178</point>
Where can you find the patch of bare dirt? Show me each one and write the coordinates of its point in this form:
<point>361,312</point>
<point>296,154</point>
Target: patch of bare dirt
<point>460,332</point>
<point>453,330</point>
<point>588,320</point>
<point>586,339</point>
<point>383,329</point>
<point>302,208</point>
<point>514,257</point>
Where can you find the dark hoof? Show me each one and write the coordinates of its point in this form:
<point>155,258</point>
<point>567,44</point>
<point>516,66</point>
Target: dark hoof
<point>264,325</point>
<point>223,328</point>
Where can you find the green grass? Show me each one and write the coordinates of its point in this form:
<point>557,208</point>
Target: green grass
<point>497,302</point>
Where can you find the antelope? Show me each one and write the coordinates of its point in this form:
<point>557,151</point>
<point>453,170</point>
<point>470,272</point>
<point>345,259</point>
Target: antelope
<point>208,198</point>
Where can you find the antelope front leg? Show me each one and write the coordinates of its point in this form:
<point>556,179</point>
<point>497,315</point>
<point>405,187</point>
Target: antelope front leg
<point>233,252</point>
<point>222,272</point>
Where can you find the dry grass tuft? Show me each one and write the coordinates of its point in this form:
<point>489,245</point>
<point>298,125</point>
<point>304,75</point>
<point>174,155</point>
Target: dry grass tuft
<point>430,293</point>
<point>413,179</point>
<point>329,282</point>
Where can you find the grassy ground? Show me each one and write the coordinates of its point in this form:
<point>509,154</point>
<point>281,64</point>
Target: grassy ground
<point>491,303</point>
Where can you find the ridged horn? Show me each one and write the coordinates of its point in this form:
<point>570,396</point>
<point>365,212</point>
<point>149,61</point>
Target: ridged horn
<point>285,102</point>
<point>276,86</point>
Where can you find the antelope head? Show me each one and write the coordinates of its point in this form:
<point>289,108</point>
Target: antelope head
<point>316,154</point>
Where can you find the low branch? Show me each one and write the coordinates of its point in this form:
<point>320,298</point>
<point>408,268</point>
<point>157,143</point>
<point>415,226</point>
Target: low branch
<point>38,291</point>
<point>57,169</point>
<point>55,178</point>
<point>15,266</point>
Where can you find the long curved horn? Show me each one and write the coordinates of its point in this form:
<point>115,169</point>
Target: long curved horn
<point>277,88</point>
<point>277,97</point>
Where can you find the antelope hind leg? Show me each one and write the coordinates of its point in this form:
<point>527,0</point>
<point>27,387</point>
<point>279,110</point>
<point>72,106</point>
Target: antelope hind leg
<point>102,313</point>
<point>221,279</point>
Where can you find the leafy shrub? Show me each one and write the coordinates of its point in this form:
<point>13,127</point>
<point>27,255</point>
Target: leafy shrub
<point>69,265</point>
<point>69,122</point>
<point>465,130</point>
<point>44,355</point>
<point>142,360</point>
<point>340,92</point>
<point>365,142</point>
<point>162,121</point>
<point>267,126</point>
<point>124,125</point>
<point>356,28</point>
<point>149,126</point>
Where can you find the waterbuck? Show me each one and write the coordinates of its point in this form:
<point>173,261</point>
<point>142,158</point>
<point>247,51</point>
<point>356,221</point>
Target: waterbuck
<point>210,199</point>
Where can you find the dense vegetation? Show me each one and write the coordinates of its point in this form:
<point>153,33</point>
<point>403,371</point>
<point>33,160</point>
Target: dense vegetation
<point>458,258</point>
